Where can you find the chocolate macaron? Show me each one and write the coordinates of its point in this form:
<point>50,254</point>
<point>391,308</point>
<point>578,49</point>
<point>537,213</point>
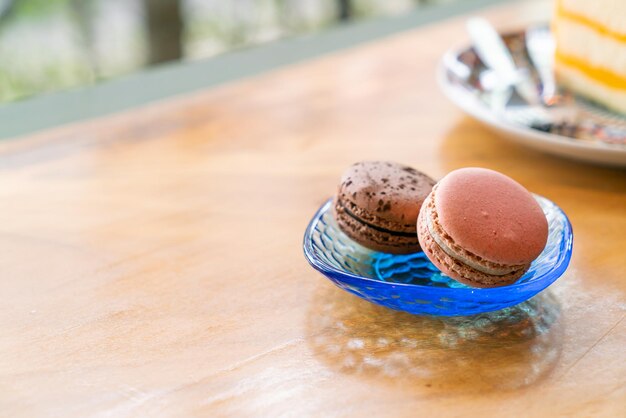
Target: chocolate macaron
<point>481,227</point>
<point>377,205</point>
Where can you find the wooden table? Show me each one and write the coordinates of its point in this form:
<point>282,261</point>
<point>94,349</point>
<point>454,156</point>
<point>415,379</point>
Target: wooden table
<point>152,261</point>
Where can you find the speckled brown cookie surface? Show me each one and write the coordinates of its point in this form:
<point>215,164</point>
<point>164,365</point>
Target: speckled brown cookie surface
<point>377,205</point>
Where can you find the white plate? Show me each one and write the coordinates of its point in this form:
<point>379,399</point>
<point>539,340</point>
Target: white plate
<point>470,97</point>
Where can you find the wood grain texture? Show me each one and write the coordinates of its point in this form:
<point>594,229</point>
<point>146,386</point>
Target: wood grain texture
<point>152,261</point>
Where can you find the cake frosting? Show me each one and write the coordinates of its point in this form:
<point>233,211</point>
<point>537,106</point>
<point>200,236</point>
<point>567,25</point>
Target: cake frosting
<point>590,56</point>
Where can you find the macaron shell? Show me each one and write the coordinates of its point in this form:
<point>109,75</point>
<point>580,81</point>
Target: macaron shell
<point>454,268</point>
<point>387,190</point>
<point>491,215</point>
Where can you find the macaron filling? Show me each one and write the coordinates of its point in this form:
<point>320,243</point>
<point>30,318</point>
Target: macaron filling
<point>503,271</point>
<point>348,212</point>
<point>439,235</point>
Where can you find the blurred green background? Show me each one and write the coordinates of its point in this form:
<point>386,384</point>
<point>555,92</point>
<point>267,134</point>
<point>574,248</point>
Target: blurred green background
<point>47,45</point>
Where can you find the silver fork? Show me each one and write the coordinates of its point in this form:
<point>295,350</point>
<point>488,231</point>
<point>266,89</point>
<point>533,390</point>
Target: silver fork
<point>518,82</point>
<point>541,49</point>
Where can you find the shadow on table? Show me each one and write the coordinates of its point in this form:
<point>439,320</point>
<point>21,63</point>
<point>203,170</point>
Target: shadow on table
<point>502,350</point>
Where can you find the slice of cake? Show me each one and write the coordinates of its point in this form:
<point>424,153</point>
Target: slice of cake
<point>590,57</point>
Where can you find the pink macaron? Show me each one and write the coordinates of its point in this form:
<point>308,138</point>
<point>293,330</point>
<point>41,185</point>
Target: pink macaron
<point>481,227</point>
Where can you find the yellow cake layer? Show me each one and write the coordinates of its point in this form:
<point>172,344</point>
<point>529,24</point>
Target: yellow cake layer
<point>607,17</point>
<point>591,49</point>
<point>599,74</point>
<point>601,58</point>
<point>577,81</point>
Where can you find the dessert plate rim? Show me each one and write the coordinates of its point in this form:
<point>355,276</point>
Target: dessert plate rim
<point>458,93</point>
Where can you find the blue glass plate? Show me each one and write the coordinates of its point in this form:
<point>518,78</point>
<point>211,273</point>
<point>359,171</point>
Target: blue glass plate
<point>413,284</point>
